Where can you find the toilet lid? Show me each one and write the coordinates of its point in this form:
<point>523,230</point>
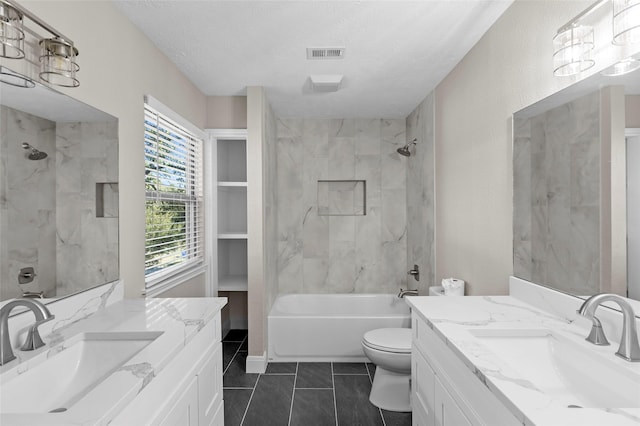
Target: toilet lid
<point>396,340</point>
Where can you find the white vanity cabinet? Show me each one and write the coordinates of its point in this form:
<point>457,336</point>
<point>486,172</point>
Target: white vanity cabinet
<point>444,391</point>
<point>188,391</point>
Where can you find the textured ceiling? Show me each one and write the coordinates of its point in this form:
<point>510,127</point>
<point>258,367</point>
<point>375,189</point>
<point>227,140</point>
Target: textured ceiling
<point>396,51</point>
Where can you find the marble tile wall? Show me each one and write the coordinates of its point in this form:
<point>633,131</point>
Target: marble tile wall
<point>48,207</point>
<point>341,254</point>
<point>27,203</point>
<point>420,195</point>
<point>557,196</point>
<point>87,245</point>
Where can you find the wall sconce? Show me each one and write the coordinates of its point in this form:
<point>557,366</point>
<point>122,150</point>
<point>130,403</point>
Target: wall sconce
<point>574,42</point>
<point>572,50</point>
<point>11,32</point>
<point>58,62</point>
<point>58,54</point>
<point>626,22</point>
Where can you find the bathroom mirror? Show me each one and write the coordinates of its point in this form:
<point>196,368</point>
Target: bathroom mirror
<point>570,188</point>
<point>58,193</point>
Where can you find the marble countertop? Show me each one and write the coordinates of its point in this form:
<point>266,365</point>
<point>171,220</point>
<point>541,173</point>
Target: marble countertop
<point>453,319</point>
<point>179,320</point>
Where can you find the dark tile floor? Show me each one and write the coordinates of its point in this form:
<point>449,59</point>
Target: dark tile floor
<point>299,394</point>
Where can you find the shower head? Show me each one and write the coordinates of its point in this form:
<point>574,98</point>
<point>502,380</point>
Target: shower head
<point>34,154</point>
<point>405,149</point>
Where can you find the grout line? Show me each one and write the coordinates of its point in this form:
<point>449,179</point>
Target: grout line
<point>246,410</point>
<point>315,388</point>
<point>278,374</point>
<point>233,357</point>
<point>351,374</point>
<point>293,395</point>
<point>335,404</point>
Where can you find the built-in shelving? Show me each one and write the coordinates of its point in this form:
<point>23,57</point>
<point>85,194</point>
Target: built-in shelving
<point>231,148</point>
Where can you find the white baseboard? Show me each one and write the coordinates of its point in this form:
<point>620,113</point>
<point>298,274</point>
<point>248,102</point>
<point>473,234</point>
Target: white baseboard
<point>257,364</point>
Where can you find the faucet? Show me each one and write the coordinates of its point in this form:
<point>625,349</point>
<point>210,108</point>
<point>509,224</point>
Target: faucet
<point>629,348</point>
<point>403,293</point>
<point>33,341</point>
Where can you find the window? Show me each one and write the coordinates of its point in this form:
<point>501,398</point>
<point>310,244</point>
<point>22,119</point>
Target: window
<point>174,237</point>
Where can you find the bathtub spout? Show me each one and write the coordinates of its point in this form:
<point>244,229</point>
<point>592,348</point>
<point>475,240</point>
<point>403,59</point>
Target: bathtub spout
<point>404,293</point>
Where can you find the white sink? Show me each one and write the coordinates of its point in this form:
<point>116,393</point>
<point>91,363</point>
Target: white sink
<point>56,383</point>
<point>564,369</point>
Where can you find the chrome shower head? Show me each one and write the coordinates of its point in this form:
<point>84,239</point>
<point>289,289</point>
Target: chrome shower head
<point>405,149</point>
<point>34,154</point>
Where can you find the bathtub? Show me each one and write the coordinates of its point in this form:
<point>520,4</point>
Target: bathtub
<point>329,327</point>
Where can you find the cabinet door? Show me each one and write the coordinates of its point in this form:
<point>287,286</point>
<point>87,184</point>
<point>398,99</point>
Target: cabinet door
<point>210,385</point>
<point>447,412</point>
<point>185,411</point>
<point>422,389</point>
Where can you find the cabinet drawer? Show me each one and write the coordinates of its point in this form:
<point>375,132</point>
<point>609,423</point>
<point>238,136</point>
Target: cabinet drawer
<point>419,416</point>
<point>422,383</point>
<point>185,410</point>
<point>447,412</point>
<point>210,385</point>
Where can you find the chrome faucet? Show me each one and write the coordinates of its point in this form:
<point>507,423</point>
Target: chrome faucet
<point>629,348</point>
<point>403,293</point>
<point>33,341</point>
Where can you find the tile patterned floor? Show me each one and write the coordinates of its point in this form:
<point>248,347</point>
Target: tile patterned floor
<point>299,394</point>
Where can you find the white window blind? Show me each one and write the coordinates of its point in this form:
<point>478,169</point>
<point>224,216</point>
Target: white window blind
<point>174,238</point>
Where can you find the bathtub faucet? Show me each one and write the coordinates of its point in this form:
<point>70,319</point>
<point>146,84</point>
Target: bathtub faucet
<point>403,293</point>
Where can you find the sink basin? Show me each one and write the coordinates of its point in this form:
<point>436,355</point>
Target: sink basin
<point>56,383</point>
<point>564,369</point>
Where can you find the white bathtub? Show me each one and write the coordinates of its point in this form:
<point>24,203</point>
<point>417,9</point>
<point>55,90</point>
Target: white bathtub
<point>329,327</point>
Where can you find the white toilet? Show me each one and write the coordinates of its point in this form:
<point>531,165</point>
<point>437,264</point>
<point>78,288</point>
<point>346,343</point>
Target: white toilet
<point>390,350</point>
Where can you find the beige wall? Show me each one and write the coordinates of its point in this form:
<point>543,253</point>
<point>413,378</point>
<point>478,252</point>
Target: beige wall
<point>119,65</point>
<point>632,111</point>
<point>255,244</point>
<point>508,69</point>
<point>226,112</point>
<point>194,287</point>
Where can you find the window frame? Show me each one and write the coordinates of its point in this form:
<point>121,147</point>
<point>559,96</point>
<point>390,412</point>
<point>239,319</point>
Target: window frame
<point>164,279</point>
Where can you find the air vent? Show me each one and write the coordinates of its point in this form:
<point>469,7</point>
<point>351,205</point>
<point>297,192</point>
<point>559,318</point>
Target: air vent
<point>325,52</point>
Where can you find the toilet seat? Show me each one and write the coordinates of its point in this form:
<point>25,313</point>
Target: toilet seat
<point>395,340</point>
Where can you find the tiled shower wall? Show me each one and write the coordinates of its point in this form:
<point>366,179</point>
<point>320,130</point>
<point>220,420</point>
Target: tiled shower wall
<point>27,203</point>
<point>348,253</point>
<point>420,192</point>
<point>87,245</point>
<point>48,207</point>
<point>557,196</point>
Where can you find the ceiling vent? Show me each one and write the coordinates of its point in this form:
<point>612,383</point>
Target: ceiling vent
<point>325,52</point>
<point>325,83</point>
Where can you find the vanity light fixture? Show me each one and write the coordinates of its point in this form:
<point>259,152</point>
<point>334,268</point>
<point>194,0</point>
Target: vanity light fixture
<point>621,67</point>
<point>58,64</point>
<point>11,31</point>
<point>626,22</point>
<point>14,79</point>
<point>572,50</point>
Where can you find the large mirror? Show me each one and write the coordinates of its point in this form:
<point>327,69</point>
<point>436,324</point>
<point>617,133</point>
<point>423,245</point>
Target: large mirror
<point>58,193</point>
<point>576,185</point>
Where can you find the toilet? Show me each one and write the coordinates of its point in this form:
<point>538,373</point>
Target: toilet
<point>390,350</point>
